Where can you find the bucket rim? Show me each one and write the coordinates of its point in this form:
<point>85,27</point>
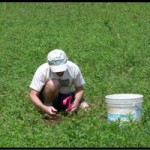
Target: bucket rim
<point>124,96</point>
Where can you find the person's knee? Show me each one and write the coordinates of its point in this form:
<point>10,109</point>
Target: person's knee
<point>52,85</point>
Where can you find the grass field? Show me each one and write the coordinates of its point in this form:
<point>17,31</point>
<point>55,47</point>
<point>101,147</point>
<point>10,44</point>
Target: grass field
<point>111,44</point>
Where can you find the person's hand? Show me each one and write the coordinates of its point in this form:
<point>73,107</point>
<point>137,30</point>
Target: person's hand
<point>51,110</point>
<point>74,107</point>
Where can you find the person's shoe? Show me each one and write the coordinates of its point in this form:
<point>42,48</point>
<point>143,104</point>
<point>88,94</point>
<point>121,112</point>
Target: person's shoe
<point>84,105</point>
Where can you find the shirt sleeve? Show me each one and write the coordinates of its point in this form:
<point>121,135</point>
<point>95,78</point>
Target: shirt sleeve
<point>38,80</point>
<point>79,80</point>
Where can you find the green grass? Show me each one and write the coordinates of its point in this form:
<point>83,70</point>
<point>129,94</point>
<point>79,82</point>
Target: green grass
<point>109,41</point>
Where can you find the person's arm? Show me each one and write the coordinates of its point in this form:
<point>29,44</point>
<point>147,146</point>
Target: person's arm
<point>79,92</point>
<point>33,95</point>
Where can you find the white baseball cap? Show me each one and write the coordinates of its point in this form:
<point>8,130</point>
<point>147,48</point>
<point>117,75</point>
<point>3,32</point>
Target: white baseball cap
<point>57,60</point>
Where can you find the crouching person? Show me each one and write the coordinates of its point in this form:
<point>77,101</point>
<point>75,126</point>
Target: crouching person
<point>58,85</point>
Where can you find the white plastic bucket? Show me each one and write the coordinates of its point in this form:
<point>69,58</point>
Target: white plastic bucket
<point>124,107</point>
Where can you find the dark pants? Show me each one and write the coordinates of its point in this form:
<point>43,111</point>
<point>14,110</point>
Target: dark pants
<point>58,102</point>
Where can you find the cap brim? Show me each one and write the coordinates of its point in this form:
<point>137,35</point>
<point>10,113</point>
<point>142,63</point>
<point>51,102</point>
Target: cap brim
<point>59,68</point>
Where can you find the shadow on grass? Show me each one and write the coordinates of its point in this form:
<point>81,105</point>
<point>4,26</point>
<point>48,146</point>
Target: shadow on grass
<point>57,119</point>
